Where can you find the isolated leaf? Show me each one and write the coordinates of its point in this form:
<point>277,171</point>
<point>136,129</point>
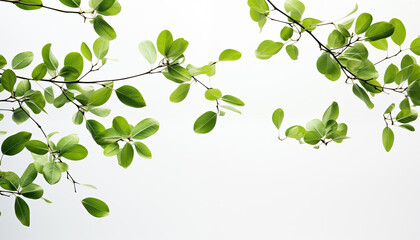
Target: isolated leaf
<point>267,49</point>
<point>205,123</point>
<point>277,117</point>
<point>233,100</point>
<point>286,33</point>
<point>148,50</point>
<point>292,51</point>
<point>230,55</point>
<point>387,138</point>
<point>260,6</point>
<point>100,47</point>
<point>96,207</point>
<point>85,50</point>
<point>180,93</point>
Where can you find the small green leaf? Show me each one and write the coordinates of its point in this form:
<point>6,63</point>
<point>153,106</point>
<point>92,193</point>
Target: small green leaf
<point>100,47</point>
<point>68,140</point>
<point>329,67</point>
<point>3,61</point>
<point>390,108</point>
<point>100,97</point>
<point>111,149</point>
<point>400,33</point>
<point>125,156</point>
<point>8,80</point>
<point>413,92</point>
<point>164,42</point>
<point>233,100</point>
<point>77,118</point>
<point>96,207</point>
<point>103,29</point>
<point>260,6</point>
<point>180,93</point>
<point>230,55</point>
<point>381,44</point>
<point>286,33</point>
<point>51,172</point>
<point>49,59</point>
<point>297,132</point>
<point>379,30</point>
<point>177,48</point>
<point>230,108</point>
<point>336,39</point>
<point>311,138</point>
<point>22,211</point>
<point>317,126</point>
<point>74,152</point>
<point>29,175</point>
<point>32,191</point>
<point>267,49</point>
<point>178,73</point>
<point>144,129</point>
<point>390,74</point>
<point>121,125</point>
<point>30,6</point>
<point>148,50</point>
<point>292,51</point>
<point>363,23</point>
<point>361,93</point>
<point>39,71</point>
<point>9,181</point>
<point>22,88</point>
<point>213,94</point>
<point>407,115</point>
<point>387,138</point>
<point>19,115</point>
<point>415,46</point>
<point>205,123</point>
<point>142,150</point>
<point>130,96</point>
<point>310,24</point>
<point>295,8</point>
<point>22,60</point>
<point>37,147</point>
<point>331,113</point>
<point>113,10</point>
<point>408,127</point>
<point>277,117</point>
<point>15,144</point>
<point>85,50</point>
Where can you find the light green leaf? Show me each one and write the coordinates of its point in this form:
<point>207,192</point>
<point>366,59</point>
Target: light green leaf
<point>96,207</point>
<point>400,33</point>
<point>379,30</point>
<point>390,74</point>
<point>85,50</point>
<point>164,42</point>
<point>213,94</point>
<point>39,71</point>
<point>177,48</point>
<point>413,92</point>
<point>9,181</point>
<point>381,44</point>
<point>100,97</point>
<point>407,115</point>
<point>178,74</point>
<point>297,132</point>
<point>205,123</point>
<point>310,24</point>
<point>180,93</point>
<point>144,129</point>
<point>130,96</point>
<point>230,108</point>
<point>121,125</point>
<point>292,51</point>
<point>233,100</point>
<point>22,60</point>
<point>3,61</point>
<point>363,23</point>
<point>331,113</point>
<point>100,47</point>
<point>286,33</point>
<point>336,39</point>
<point>51,172</point>
<point>111,149</point>
<point>295,8</point>
<point>113,10</point>
<point>311,138</point>
<point>125,156</point>
<point>49,59</point>
<point>29,175</point>
<point>68,140</point>
<point>267,49</point>
<point>8,80</point>
<point>148,50</point>
<point>74,152</point>
<point>390,108</point>
<point>77,118</point>
<point>387,138</point>
<point>260,6</point>
<point>277,117</point>
<point>142,150</point>
<point>317,126</point>
<point>415,46</point>
<point>230,55</point>
<point>329,67</point>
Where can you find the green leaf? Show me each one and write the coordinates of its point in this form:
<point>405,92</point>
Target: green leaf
<point>405,104</point>
<point>37,147</point>
<point>267,49</point>
<point>51,172</point>
<point>22,88</point>
<point>69,73</point>
<point>32,191</point>
<point>62,166</point>
<point>130,96</point>
<point>8,80</point>
<point>328,66</point>
<point>15,144</point>
<point>297,132</point>
<point>177,48</point>
<point>100,47</point>
<point>292,51</point>
<point>363,23</point>
<point>19,115</point>
<point>180,93</point>
<point>49,95</point>
<point>277,117</point>
<point>100,112</point>
<point>317,126</point>
<point>233,100</point>
<point>100,96</point>
<point>68,140</point>
<point>407,115</point>
<point>94,127</point>
<point>343,30</point>
<point>39,71</point>
<point>260,6</point>
<point>164,42</point>
<point>113,10</point>
<point>379,30</point>
<point>408,127</point>
<point>295,9</point>
<point>336,39</point>
<point>178,74</point>
<point>331,113</point>
<point>310,24</point>
<point>22,60</point>
<point>3,61</point>
<point>111,149</point>
<point>49,59</point>
<point>415,46</point>
<point>357,51</point>
<point>230,55</point>
<point>121,125</point>
<point>78,118</point>
<point>103,29</point>
<point>311,138</point>
<point>22,211</point>
<point>39,162</point>
<point>9,181</point>
<point>36,102</point>
<point>144,129</point>
<point>125,156</point>
<point>413,92</point>
<point>390,108</point>
<point>400,33</point>
<point>85,50</point>
<point>390,74</point>
<point>74,152</point>
<point>148,50</point>
<point>381,44</point>
<point>29,7</point>
<point>96,207</point>
<point>75,60</point>
<point>387,138</point>
<point>29,175</point>
<point>213,94</point>
<point>286,33</point>
<point>71,3</point>
<point>142,150</point>
<point>195,71</point>
<point>362,95</point>
<point>230,108</point>
<point>205,123</point>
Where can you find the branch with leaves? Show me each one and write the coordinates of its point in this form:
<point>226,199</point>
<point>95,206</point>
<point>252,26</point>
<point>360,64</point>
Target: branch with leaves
<point>346,53</point>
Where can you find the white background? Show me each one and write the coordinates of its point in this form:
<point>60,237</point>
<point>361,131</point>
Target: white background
<point>239,181</point>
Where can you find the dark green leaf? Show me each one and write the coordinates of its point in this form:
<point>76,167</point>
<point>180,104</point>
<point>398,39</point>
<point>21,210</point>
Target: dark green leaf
<point>130,96</point>
<point>103,29</point>
<point>361,93</point>
<point>37,147</point>
<point>331,113</point>
<point>29,175</point>
<point>22,211</point>
<point>379,30</point>
<point>407,115</point>
<point>96,207</point>
<point>30,6</point>
<point>71,3</point>
<point>39,71</point>
<point>19,115</point>
<point>32,191</point>
<point>15,144</point>
<point>8,80</point>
